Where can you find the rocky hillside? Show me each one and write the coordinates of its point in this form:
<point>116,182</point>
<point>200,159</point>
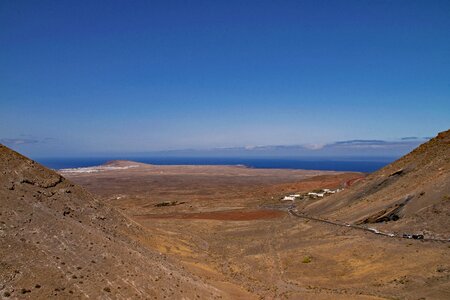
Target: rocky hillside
<point>57,240</point>
<point>410,195</point>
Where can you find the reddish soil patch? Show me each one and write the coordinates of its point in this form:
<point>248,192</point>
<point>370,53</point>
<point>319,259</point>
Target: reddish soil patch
<point>353,181</point>
<point>230,215</point>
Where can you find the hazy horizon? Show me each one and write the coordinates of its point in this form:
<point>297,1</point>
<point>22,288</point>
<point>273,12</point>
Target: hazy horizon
<point>340,149</point>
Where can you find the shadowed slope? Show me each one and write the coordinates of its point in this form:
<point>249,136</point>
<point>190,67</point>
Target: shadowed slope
<point>411,194</point>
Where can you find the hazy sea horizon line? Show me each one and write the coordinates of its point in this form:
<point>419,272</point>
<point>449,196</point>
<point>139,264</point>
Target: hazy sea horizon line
<point>348,163</point>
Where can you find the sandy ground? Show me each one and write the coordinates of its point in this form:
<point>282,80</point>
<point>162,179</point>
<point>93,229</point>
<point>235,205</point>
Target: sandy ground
<point>228,226</point>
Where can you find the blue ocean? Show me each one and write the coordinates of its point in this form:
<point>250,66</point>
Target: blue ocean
<point>366,165</point>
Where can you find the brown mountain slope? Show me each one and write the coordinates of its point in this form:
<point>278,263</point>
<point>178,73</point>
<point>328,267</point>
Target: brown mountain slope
<point>410,195</point>
<point>56,240</point>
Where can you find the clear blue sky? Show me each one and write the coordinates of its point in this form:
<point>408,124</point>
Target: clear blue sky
<point>81,77</point>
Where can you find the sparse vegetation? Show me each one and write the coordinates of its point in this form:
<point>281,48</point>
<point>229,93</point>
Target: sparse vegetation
<point>307,259</point>
<point>168,203</point>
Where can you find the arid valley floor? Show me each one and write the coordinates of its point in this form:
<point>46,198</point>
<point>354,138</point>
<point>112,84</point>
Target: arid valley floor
<point>128,230</point>
<point>228,226</point>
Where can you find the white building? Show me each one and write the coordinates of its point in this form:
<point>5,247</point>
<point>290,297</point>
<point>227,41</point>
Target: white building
<point>316,194</point>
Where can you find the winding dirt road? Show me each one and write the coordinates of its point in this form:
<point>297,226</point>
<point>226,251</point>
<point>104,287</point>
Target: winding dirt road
<point>295,213</point>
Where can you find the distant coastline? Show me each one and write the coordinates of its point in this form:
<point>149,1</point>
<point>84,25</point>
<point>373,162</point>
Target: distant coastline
<point>357,164</point>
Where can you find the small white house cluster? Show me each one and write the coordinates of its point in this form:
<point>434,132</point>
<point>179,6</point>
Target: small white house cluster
<point>320,194</point>
<point>324,192</point>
